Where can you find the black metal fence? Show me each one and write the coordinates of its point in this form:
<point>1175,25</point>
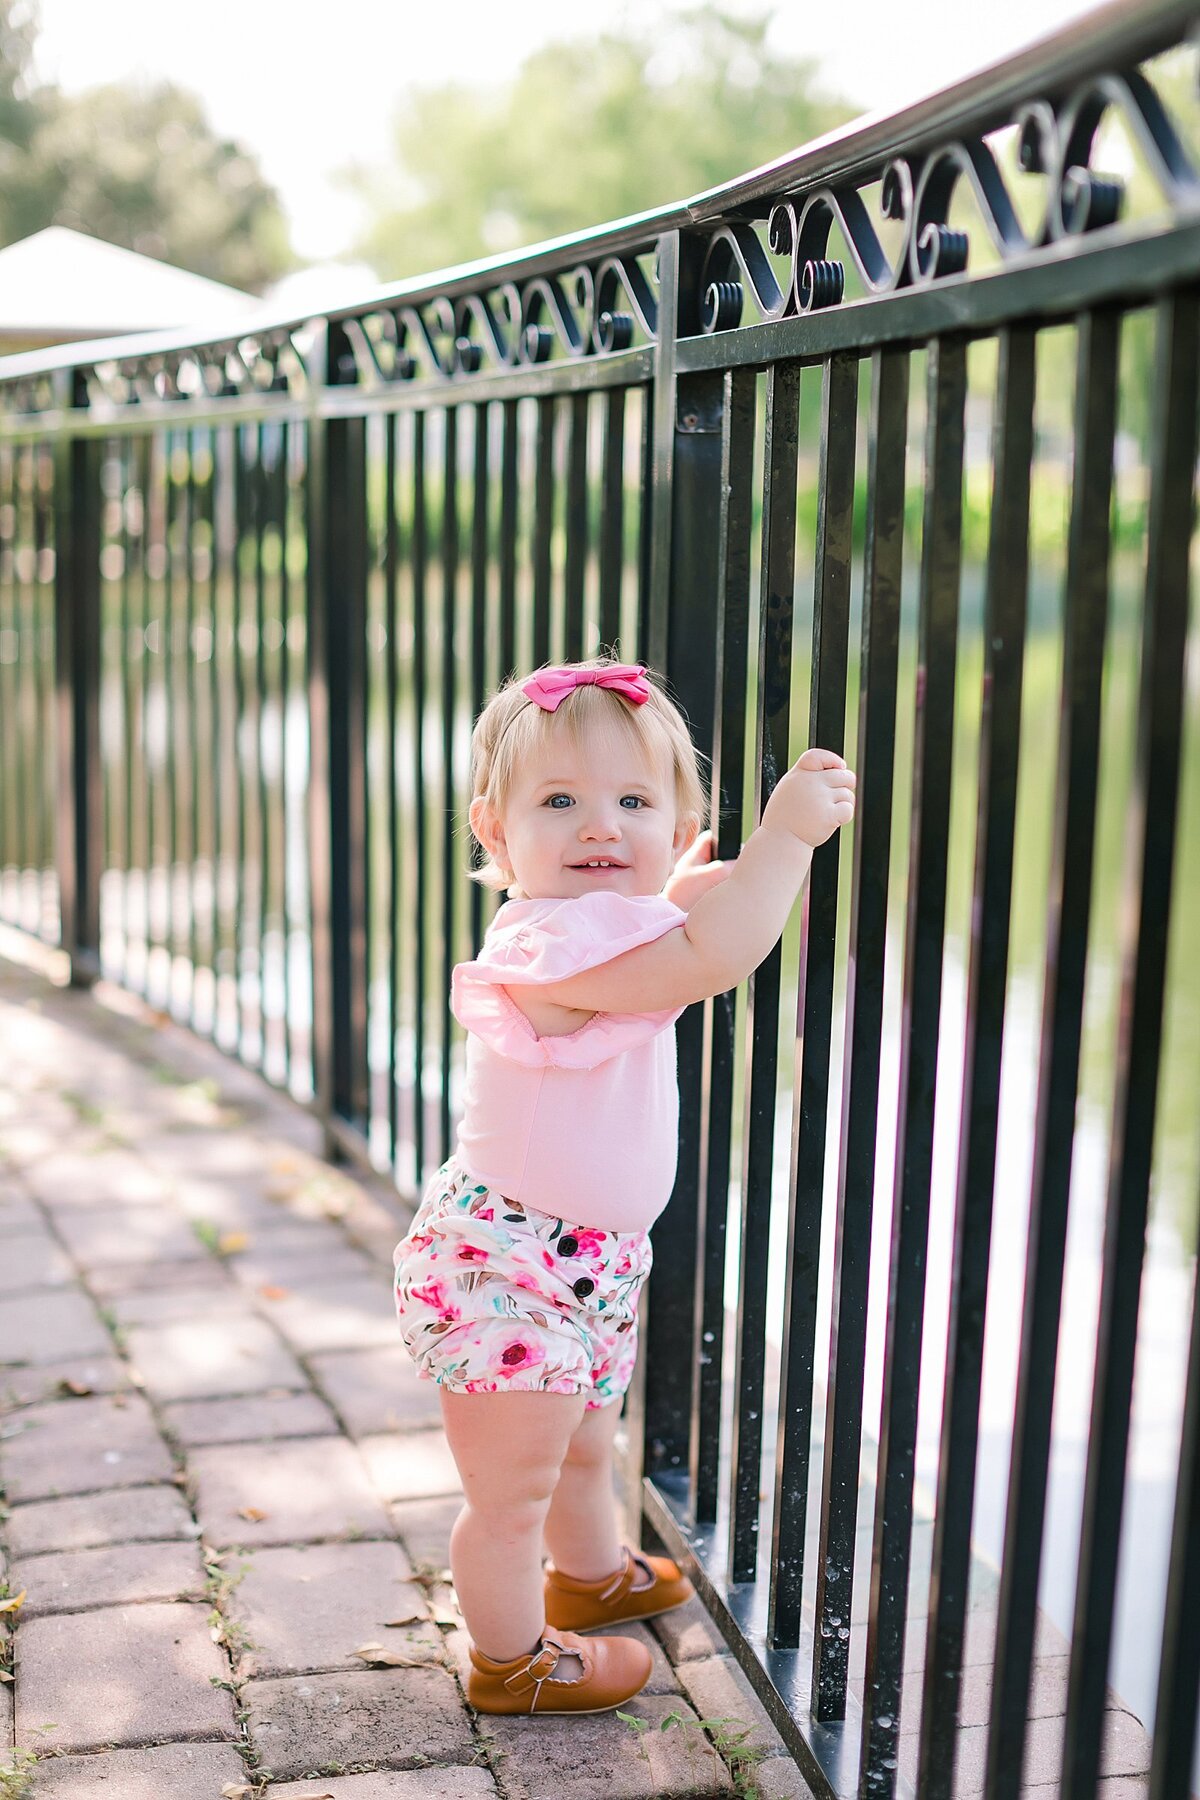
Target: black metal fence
<point>933,500</point>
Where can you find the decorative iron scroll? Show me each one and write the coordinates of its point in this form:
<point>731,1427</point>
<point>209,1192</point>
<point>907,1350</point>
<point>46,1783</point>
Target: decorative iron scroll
<point>916,192</point>
<point>272,362</point>
<point>591,310</point>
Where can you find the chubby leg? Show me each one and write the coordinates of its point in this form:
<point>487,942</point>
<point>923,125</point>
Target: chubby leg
<point>581,1525</point>
<point>509,1449</point>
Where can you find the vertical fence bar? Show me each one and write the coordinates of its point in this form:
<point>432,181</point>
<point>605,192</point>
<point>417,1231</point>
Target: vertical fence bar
<point>777,598</point>
<point>1086,616</point>
<point>128,676</point>
<point>316,602</point>
<point>144,465</point>
<point>577,524</point>
<point>690,606</point>
<point>171,659</point>
<point>612,517</point>
<point>680,467</point>
<point>222,734</point>
<point>283,515</point>
<point>420,560</point>
<point>732,640</point>
<point>933,735</point>
<point>44,600</point>
<point>242,512</point>
<point>1179,1665</point>
<point>337,651</point>
<point>193,759</point>
<point>479,612</point>
<point>80,798</point>
<point>509,452</point>
<point>262,516</point>
<point>814,1004</point>
<point>449,625</point>
<point>391,577</point>
<point>999,743</point>
<point>8,660</point>
<point>543,527</point>
<point>887,445</point>
<point>1145,918</point>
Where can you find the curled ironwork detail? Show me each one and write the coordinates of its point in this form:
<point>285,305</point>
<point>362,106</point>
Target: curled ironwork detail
<point>272,362</point>
<point>585,311</point>
<point>1055,138</point>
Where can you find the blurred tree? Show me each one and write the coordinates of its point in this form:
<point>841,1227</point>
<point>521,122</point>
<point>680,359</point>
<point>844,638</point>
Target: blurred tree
<point>142,167</point>
<point>23,108</point>
<point>586,132</point>
<point>138,166</point>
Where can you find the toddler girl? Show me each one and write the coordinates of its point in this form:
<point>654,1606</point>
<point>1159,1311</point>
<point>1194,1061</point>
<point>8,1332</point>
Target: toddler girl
<point>517,1285</point>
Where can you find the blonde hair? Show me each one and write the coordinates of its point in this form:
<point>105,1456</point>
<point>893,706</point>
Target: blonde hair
<point>513,727</point>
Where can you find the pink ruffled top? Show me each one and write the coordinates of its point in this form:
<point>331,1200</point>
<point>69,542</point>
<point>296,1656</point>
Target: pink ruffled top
<point>585,1125</point>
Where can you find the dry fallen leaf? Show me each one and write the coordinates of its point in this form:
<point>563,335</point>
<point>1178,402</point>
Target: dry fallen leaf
<point>412,1618</point>
<point>5,1676</point>
<point>234,1790</point>
<point>13,1605</point>
<point>445,1615</point>
<point>270,1292</point>
<point>378,1657</point>
<point>253,1513</point>
<point>230,1242</point>
<point>68,1386</point>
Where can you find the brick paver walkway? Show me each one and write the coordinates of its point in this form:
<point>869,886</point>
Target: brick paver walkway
<point>227,1499</point>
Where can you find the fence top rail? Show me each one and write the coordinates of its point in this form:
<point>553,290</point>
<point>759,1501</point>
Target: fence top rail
<point>1116,35</point>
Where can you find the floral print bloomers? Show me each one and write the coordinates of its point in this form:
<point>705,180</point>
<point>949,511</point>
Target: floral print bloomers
<point>493,1297</point>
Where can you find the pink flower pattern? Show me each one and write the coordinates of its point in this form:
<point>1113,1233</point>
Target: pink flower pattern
<point>488,1302</point>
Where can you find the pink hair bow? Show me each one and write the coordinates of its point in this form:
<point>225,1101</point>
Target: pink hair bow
<point>550,687</point>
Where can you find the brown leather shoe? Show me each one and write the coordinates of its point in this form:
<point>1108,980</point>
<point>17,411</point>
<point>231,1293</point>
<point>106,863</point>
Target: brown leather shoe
<point>641,1588</point>
<point>596,1674</point>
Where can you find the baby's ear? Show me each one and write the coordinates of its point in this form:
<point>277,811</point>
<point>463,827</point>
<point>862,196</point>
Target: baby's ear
<point>486,827</point>
<point>687,830</point>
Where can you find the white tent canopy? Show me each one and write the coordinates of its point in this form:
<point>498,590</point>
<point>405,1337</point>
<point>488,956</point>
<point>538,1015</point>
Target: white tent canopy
<point>60,285</point>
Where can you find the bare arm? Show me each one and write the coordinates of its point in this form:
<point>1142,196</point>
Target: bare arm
<point>731,928</point>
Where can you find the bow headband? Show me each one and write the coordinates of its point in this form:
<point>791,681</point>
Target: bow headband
<point>550,687</point>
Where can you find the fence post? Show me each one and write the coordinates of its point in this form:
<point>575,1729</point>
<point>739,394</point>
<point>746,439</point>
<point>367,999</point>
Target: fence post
<point>685,513</point>
<point>337,686</point>
<point>79,831</point>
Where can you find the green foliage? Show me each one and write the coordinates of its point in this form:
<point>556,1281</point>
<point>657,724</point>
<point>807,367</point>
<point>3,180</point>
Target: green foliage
<point>16,1775</point>
<point>586,132</point>
<point>138,166</point>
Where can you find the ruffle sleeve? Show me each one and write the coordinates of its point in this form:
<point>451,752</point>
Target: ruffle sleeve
<point>532,943</point>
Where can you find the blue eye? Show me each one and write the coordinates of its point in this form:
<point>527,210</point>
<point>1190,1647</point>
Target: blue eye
<point>554,799</point>
<point>637,800</point>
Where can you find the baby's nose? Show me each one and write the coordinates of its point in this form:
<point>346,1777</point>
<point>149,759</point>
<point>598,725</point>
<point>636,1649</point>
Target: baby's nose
<point>601,824</point>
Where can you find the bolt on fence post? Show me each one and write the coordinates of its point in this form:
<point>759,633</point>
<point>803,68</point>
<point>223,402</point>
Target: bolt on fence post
<point>79,841</point>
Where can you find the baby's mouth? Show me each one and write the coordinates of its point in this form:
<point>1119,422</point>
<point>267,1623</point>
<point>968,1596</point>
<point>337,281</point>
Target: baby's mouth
<point>598,865</point>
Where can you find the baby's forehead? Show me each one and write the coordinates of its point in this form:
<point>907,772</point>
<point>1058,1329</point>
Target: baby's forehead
<point>601,757</point>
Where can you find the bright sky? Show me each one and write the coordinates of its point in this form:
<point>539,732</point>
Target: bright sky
<point>310,92</point>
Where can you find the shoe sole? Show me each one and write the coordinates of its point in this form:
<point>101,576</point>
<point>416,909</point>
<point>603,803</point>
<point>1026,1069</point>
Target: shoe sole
<point>573,1712</point>
<point>634,1619</point>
